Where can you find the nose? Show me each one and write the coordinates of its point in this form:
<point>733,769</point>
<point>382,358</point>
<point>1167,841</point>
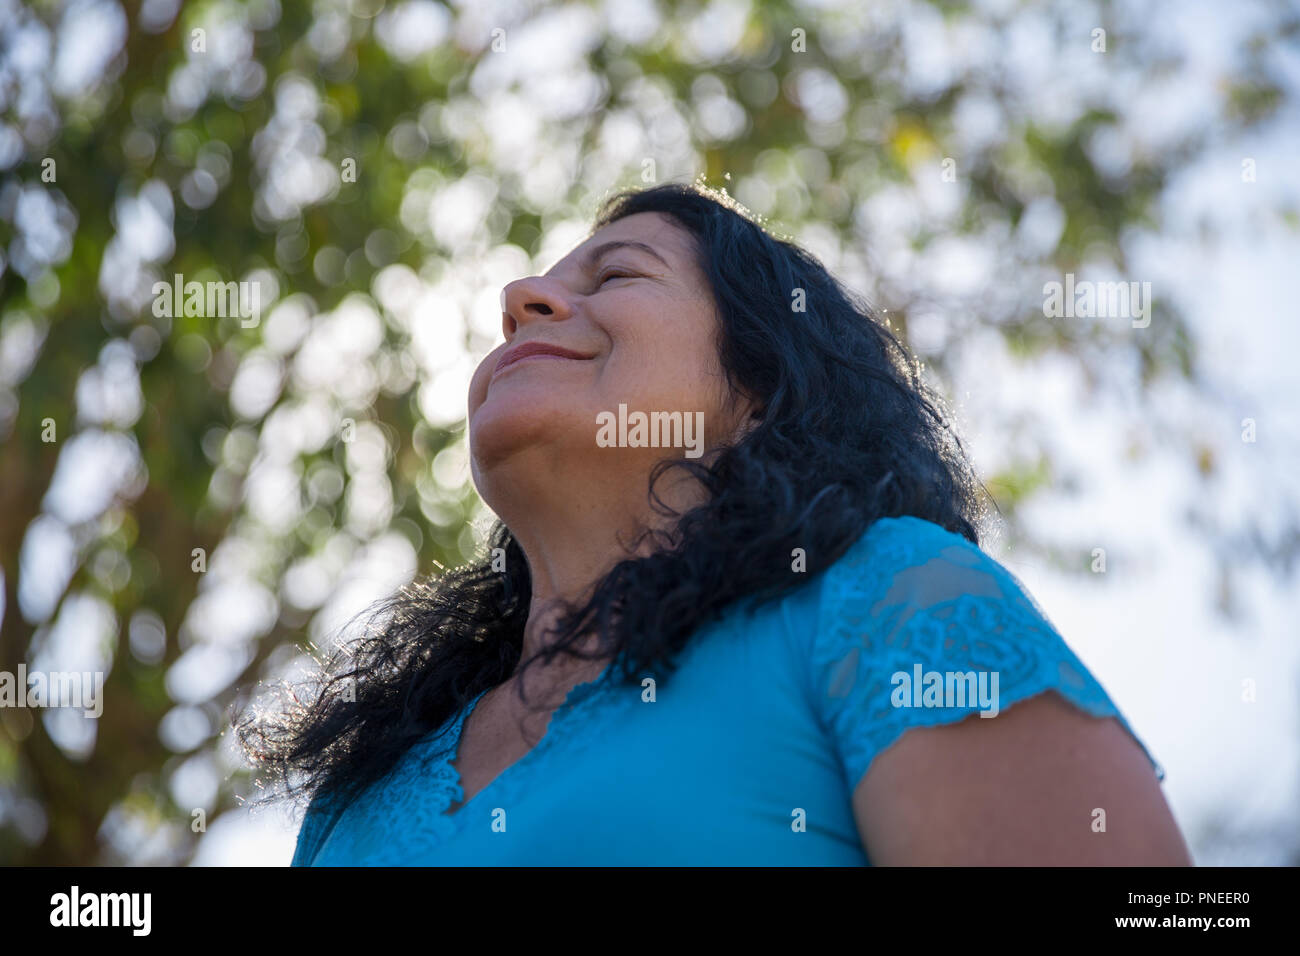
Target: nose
<point>533,299</point>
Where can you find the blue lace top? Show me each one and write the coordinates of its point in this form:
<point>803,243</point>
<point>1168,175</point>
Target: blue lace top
<point>749,753</point>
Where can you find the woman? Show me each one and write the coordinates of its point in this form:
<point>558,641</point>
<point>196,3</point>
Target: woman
<point>734,610</point>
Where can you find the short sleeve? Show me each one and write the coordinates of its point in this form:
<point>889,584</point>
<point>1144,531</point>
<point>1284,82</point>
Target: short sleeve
<point>918,627</point>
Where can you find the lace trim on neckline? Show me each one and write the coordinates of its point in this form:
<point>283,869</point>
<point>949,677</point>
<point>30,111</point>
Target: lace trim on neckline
<point>410,807</point>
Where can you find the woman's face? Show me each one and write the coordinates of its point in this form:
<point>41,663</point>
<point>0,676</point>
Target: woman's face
<point>634,318</point>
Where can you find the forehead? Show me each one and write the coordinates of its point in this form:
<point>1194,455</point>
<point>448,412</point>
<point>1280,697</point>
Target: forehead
<point>659,232</point>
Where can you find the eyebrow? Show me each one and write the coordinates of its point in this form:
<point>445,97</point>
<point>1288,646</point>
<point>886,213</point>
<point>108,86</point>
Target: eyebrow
<point>605,248</point>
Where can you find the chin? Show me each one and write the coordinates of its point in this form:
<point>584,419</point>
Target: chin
<point>527,430</point>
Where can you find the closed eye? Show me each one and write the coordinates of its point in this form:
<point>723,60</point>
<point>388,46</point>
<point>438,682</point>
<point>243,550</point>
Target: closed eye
<point>613,274</point>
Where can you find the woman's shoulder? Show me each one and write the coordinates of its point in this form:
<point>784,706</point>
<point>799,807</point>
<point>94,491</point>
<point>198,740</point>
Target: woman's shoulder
<point>916,625</point>
<point>893,544</point>
<point>905,565</point>
<point>910,587</point>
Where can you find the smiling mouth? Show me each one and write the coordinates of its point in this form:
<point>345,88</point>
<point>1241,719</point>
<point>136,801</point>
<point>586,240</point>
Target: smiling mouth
<point>532,350</point>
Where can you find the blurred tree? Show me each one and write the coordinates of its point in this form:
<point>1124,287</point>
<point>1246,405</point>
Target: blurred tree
<point>187,501</point>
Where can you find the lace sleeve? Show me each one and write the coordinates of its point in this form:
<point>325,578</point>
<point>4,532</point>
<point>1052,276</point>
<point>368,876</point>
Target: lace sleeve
<point>918,627</point>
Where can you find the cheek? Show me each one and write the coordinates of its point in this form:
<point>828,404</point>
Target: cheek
<point>665,366</point>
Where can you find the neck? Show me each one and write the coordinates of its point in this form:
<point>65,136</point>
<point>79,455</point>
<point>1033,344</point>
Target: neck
<point>573,528</point>
<point>569,551</point>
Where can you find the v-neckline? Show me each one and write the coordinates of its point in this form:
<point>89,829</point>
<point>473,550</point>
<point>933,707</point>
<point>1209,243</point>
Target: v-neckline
<point>576,694</point>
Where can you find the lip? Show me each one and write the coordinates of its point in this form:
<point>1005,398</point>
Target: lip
<point>532,349</point>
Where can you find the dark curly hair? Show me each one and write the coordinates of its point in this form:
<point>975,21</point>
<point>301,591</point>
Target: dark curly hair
<point>846,433</point>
